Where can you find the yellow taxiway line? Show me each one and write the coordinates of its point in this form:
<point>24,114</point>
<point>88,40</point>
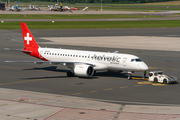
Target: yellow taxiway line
<point>93,91</point>
<point>124,87</point>
<point>109,89</point>
<point>22,81</point>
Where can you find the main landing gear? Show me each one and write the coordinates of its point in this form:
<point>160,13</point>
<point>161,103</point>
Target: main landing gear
<point>94,73</point>
<point>70,74</point>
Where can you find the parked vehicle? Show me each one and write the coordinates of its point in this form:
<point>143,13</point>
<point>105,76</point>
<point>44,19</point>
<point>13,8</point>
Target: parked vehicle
<point>159,77</point>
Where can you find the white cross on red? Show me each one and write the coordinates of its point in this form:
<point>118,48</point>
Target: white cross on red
<point>28,38</point>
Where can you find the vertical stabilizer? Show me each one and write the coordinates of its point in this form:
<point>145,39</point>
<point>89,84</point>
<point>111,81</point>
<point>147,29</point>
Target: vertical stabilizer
<point>29,41</point>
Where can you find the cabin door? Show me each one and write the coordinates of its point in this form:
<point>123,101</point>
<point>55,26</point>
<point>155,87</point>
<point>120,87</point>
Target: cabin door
<point>124,61</point>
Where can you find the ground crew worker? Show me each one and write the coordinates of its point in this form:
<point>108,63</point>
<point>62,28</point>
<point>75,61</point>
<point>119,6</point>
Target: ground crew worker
<point>145,74</point>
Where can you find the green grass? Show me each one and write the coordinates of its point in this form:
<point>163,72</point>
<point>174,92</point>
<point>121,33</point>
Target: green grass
<point>73,16</point>
<point>135,8</point>
<point>93,25</point>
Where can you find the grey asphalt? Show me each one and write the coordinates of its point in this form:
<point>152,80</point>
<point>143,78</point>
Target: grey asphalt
<point>108,86</point>
<point>148,12</point>
<point>158,32</point>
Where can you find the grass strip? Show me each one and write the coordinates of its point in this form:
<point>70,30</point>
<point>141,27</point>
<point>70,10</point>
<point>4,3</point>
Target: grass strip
<point>93,25</point>
<point>72,16</point>
<point>135,8</point>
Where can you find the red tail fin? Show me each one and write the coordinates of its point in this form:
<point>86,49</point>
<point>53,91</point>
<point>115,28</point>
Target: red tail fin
<point>29,41</point>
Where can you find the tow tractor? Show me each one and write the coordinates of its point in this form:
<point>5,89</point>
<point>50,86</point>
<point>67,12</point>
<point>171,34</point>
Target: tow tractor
<point>159,77</point>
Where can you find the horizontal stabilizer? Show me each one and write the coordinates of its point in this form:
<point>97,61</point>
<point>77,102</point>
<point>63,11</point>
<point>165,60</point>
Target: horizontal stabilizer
<point>26,51</point>
<point>18,50</point>
<point>13,49</point>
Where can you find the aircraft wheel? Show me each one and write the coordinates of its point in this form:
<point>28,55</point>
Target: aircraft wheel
<point>94,73</point>
<point>155,80</point>
<point>164,81</point>
<point>70,74</point>
<point>129,76</point>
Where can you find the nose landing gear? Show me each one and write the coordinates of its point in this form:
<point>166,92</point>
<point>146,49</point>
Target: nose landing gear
<point>129,75</point>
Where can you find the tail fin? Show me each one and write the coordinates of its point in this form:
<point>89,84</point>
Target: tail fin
<point>29,41</point>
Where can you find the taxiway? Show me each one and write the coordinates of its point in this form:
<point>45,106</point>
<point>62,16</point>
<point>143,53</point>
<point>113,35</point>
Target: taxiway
<point>109,86</point>
<point>112,89</point>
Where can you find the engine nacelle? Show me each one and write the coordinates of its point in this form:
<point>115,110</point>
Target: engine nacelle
<point>83,70</point>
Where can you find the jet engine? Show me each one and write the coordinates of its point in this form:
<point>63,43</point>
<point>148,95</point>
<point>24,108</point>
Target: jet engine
<point>83,70</point>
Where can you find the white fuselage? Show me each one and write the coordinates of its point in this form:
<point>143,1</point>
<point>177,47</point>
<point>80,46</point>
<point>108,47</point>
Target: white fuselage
<point>100,60</point>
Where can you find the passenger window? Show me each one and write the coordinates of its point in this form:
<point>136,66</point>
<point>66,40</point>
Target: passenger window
<point>85,56</point>
<point>73,55</point>
<point>52,53</point>
<point>55,53</point>
<point>47,53</point>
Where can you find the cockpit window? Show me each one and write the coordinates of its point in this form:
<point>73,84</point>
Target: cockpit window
<point>138,60</point>
<point>132,60</point>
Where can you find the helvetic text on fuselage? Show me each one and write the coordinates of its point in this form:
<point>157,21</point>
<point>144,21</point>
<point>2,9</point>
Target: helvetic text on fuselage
<point>112,60</point>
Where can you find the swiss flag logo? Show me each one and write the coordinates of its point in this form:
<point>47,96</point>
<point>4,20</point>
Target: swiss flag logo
<point>28,38</point>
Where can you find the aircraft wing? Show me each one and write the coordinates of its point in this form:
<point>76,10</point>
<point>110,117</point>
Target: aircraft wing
<point>50,62</point>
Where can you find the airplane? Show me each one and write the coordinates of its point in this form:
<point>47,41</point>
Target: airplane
<point>81,63</point>
<point>15,8</point>
<point>31,7</point>
<point>85,9</point>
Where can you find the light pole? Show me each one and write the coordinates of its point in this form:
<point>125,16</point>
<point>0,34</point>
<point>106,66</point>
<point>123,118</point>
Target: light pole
<point>101,6</point>
<point>6,4</point>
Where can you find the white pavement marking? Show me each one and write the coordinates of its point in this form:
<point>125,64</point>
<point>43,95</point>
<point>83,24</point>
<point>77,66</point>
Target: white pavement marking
<point>119,112</point>
<point>127,42</point>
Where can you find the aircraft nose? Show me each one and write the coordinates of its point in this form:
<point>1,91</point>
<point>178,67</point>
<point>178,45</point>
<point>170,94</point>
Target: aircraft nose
<point>143,67</point>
